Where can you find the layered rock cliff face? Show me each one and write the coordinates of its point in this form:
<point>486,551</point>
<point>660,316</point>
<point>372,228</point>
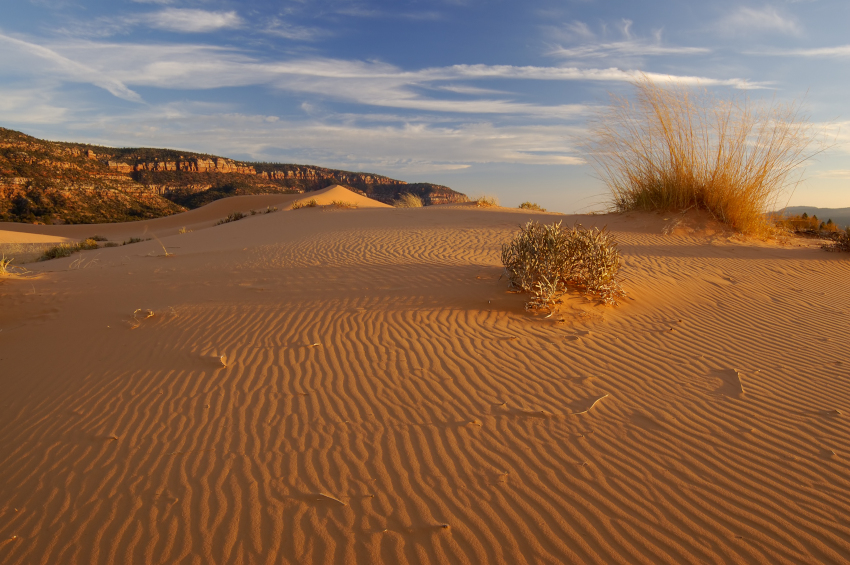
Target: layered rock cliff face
<point>50,182</point>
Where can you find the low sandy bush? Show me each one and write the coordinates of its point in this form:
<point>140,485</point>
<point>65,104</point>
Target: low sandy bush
<point>676,147</point>
<point>532,206</point>
<point>5,269</point>
<point>485,201</point>
<point>545,260</point>
<point>342,204</point>
<point>67,249</point>
<point>233,217</point>
<point>841,243</point>
<point>408,200</point>
<point>308,204</point>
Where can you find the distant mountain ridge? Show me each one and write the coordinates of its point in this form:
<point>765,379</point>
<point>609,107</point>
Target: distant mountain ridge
<point>841,216</point>
<point>59,182</point>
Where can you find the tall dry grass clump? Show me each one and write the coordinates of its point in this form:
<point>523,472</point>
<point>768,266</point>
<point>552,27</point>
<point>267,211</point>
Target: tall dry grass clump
<point>675,147</point>
<point>409,200</point>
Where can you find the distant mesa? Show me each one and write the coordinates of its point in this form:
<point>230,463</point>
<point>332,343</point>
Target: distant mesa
<point>55,182</point>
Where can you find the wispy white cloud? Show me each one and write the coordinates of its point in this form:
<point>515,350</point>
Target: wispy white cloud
<point>745,20</point>
<point>181,20</point>
<point>280,28</point>
<point>191,21</point>
<point>114,66</point>
<point>32,56</point>
<point>824,52</point>
<point>345,144</point>
<point>633,48</point>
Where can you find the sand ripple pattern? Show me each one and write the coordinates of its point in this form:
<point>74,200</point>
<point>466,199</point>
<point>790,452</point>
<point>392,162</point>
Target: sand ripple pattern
<point>371,412</point>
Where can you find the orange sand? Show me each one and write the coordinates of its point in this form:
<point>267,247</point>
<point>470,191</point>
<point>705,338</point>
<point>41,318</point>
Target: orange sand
<point>385,400</point>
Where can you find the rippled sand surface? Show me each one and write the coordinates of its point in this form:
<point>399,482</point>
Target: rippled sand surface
<point>357,386</point>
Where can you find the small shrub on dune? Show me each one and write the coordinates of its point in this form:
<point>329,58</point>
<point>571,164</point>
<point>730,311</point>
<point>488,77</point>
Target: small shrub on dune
<point>545,260</point>
<point>308,204</point>
<point>5,269</point>
<point>532,206</point>
<point>841,243</point>
<point>98,238</point>
<point>485,201</point>
<point>408,200</point>
<point>342,204</point>
<point>675,148</point>
<point>132,240</point>
<point>67,249</point>
<point>233,217</point>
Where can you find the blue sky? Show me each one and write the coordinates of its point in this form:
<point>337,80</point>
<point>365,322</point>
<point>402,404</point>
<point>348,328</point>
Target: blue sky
<point>485,96</point>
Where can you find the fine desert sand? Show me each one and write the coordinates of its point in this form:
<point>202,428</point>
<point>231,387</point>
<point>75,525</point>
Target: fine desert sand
<point>328,385</point>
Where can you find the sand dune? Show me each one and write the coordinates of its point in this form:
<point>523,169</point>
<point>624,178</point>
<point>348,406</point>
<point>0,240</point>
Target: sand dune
<point>385,400</point>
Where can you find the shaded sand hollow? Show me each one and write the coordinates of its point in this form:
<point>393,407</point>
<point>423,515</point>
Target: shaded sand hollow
<point>356,386</point>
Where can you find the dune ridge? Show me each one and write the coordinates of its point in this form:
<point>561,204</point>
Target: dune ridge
<point>385,400</point>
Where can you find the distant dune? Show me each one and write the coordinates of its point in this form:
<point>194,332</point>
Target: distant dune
<point>328,385</point>
<point>841,216</point>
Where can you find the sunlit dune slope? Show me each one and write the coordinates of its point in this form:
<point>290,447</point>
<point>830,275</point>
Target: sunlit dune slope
<point>330,385</point>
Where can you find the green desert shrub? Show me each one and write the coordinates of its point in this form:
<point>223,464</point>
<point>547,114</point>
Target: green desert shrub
<point>301,204</point>
<point>545,260</point>
<point>532,206</point>
<point>676,147</point>
<point>408,200</point>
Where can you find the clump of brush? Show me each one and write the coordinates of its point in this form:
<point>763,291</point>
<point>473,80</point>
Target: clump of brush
<point>841,241</point>
<point>67,249</point>
<point>674,147</point>
<point>546,260</point>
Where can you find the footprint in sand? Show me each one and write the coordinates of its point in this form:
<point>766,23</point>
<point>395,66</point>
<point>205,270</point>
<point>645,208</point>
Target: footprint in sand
<point>732,385</point>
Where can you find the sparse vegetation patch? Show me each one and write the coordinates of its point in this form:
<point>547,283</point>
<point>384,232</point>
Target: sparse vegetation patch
<point>5,269</point>
<point>841,243</point>
<point>408,200</point>
<point>485,201</point>
<point>675,147</point>
<point>67,249</point>
<point>546,260</point>
<point>308,204</point>
<point>342,204</point>
<point>532,206</point>
<point>234,217</point>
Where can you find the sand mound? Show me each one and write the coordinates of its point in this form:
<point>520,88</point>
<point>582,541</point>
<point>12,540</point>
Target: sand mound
<point>337,193</point>
<point>7,236</point>
<point>360,387</point>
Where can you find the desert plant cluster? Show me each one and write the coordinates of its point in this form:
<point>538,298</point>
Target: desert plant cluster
<point>675,147</point>
<point>841,241</point>
<point>408,200</point>
<point>232,217</point>
<point>809,225</point>
<point>5,266</point>
<point>485,201</point>
<point>546,260</point>
<point>532,206</point>
<point>312,203</point>
<point>68,249</point>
